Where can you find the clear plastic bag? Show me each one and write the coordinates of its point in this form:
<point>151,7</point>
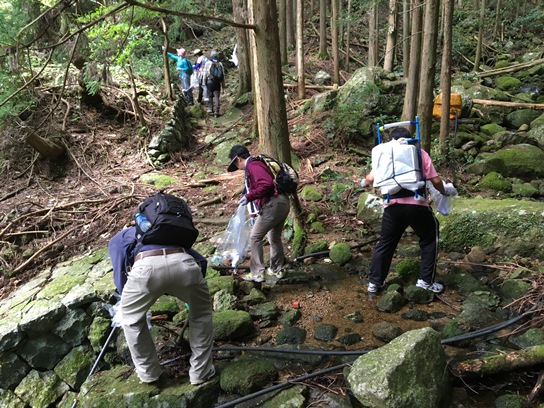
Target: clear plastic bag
<point>194,80</point>
<point>440,202</point>
<point>234,244</point>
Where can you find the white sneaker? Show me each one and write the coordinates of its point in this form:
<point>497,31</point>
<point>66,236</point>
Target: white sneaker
<point>434,287</point>
<point>373,288</point>
<point>253,278</point>
<point>278,274</point>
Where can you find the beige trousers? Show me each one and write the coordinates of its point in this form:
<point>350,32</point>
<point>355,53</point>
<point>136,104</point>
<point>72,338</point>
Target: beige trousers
<point>269,223</point>
<point>178,275</point>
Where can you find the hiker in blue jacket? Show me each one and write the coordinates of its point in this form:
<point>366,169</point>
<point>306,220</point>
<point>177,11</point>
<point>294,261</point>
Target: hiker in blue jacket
<point>157,270</point>
<point>185,69</point>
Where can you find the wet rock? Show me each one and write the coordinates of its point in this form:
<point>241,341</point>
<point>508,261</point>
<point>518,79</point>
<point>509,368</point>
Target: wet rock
<point>247,375</point>
<point>417,315</point>
<point>391,302</point>
<point>350,339</point>
<point>12,370</point>
<point>44,351</point>
<point>325,332</point>
<point>418,295</point>
<point>532,337</point>
<point>264,311</point>
<point>291,335</point>
<point>290,317</point>
<point>255,297</point>
<point>232,324</point>
<point>386,331</point>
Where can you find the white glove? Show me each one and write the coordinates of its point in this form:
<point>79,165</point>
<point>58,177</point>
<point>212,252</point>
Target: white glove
<point>243,201</point>
<point>363,183</point>
<point>162,47</point>
<point>449,190</point>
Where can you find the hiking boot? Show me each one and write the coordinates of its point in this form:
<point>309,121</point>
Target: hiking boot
<point>207,377</point>
<point>278,274</point>
<point>433,287</point>
<point>252,277</point>
<point>373,288</point>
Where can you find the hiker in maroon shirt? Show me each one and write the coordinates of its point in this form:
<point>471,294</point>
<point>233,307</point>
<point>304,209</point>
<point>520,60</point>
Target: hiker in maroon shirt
<point>269,208</point>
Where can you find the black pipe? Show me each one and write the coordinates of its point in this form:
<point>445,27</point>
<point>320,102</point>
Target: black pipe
<point>325,253</point>
<point>279,350</point>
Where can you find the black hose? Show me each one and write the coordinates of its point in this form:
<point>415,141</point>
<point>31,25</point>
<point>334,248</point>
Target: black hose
<point>279,350</point>
<point>325,253</point>
<point>487,330</point>
<point>282,385</point>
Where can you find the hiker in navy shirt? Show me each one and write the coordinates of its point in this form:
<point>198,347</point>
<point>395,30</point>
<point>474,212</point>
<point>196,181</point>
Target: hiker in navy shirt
<point>160,270</point>
<point>214,83</point>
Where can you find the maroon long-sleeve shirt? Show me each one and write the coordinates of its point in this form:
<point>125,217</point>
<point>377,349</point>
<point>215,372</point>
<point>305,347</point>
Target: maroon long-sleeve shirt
<point>260,181</point>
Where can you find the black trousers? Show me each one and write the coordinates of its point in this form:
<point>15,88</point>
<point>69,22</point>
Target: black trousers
<point>396,218</point>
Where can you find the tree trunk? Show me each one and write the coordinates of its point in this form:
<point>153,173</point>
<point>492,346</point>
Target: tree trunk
<point>428,68</point>
<point>391,37</point>
<point>406,19</point>
<point>348,36</point>
<point>283,30</point>
<point>290,23</point>
<point>500,363</point>
<point>239,8</point>
<point>497,18</point>
<point>334,40</point>
<point>269,95</point>
<point>479,45</point>
<point>323,54</point>
<point>165,70</point>
<point>410,99</point>
<point>445,74</point>
<point>47,148</point>
<point>373,35</point>
<point>300,50</point>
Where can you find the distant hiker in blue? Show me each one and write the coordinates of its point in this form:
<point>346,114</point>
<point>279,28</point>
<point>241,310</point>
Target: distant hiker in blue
<point>185,69</point>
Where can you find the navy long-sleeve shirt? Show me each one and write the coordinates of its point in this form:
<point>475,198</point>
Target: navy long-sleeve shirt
<point>118,251</point>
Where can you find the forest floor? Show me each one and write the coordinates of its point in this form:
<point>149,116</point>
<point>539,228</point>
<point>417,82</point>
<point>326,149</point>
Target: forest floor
<point>52,210</point>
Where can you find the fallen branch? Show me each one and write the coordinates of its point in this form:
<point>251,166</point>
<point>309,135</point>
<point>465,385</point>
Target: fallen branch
<point>214,200</point>
<point>496,364</point>
<point>512,68</point>
<point>509,104</point>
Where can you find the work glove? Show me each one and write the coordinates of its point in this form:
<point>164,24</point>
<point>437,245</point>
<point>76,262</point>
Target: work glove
<point>243,201</point>
<point>449,190</point>
<point>363,183</point>
<point>162,48</point>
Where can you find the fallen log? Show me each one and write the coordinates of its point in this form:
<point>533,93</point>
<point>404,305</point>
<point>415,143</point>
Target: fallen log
<point>509,104</point>
<point>511,68</point>
<point>500,363</point>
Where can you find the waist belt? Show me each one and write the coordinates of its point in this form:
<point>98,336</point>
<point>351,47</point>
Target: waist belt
<point>407,193</point>
<point>157,252</point>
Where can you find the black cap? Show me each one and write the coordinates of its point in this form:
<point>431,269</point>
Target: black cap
<point>237,151</point>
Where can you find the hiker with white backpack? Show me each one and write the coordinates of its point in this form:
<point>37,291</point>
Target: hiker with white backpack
<point>214,74</point>
<point>405,207</point>
<point>200,63</point>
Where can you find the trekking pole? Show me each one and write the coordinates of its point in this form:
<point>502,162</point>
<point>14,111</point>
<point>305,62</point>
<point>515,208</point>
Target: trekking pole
<point>100,355</point>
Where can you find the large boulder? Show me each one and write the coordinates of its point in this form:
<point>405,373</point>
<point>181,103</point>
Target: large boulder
<point>523,161</point>
<point>512,227</point>
<point>408,372</point>
<point>369,93</point>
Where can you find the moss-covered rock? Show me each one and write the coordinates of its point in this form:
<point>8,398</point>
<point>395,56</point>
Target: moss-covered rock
<point>340,253</point>
<point>495,181</point>
<point>158,180</point>
<point>317,247</point>
<point>408,269</point>
<point>232,324</point>
<point>310,193</point>
<point>522,116</point>
<point>507,83</point>
<point>491,128</point>
<point>247,375</point>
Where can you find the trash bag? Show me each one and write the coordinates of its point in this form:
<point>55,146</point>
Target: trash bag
<point>440,202</point>
<point>234,244</point>
<point>194,80</point>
